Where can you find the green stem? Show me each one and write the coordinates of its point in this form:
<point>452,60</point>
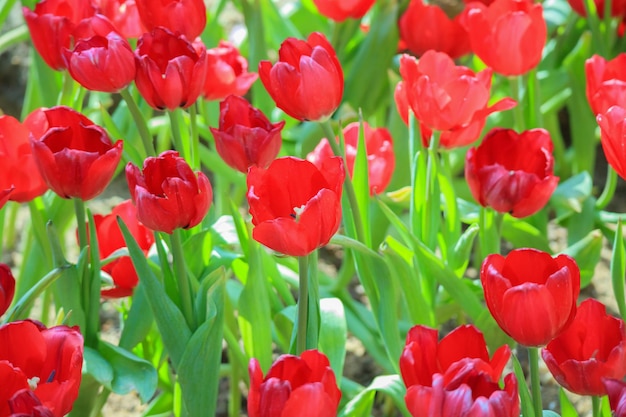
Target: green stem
<point>67,92</point>
<point>431,213</point>
<point>593,21</point>
<point>533,358</point>
<point>79,208</point>
<point>195,138</point>
<point>177,138</point>
<point>140,121</point>
<point>13,37</point>
<point>535,117</point>
<point>609,188</point>
<point>596,406</point>
<point>303,303</point>
<point>516,93</point>
<point>38,224</point>
<point>415,144</point>
<point>180,271</point>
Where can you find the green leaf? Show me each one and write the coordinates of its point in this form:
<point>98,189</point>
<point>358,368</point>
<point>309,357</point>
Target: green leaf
<point>587,253</point>
<point>332,340</point>
<point>570,194</point>
<point>129,372</point>
<point>360,179</point>
<point>618,269</point>
<point>526,399</point>
<point>139,321</point>
<point>549,413</point>
<point>98,367</point>
<point>567,408</point>
<point>361,405</point>
<point>524,235</point>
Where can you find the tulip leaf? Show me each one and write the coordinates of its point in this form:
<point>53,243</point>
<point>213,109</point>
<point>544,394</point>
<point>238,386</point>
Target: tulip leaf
<point>523,235</point>
<point>461,253</point>
<point>525,398</point>
<point>618,269</point>
<point>549,413</point>
<point>138,322</point>
<point>567,408</point>
<point>587,253</point>
<point>570,194</point>
<point>360,180</point>
<point>197,250</point>
<point>98,367</point>
<point>332,340</point>
<point>361,405</point>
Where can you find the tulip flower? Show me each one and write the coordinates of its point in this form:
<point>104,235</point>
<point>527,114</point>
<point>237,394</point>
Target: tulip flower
<point>512,172</point>
<point>592,348</point>
<point>47,362</point>
<point>295,207</point>
<point>307,81</point>
<point>18,170</point>
<point>616,390</point>
<point>24,403</point>
<point>508,35</point>
<point>426,26</point>
<point>51,24</point>
<point>294,386</point>
<point>606,82</point>
<point>101,59</point>
<point>170,70</point>
<point>124,15</point>
<point>531,295</point>
<point>613,137</point>
<point>75,157</point>
<point>455,376</point>
<point>342,10</point>
<point>187,17</point>
<point>7,288</point>
<point>167,193</point>
<point>378,146</point>
<point>227,73</point>
<point>246,137</point>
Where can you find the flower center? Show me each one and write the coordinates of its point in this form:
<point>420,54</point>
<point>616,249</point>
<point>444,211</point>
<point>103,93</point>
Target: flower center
<point>33,382</point>
<point>297,211</point>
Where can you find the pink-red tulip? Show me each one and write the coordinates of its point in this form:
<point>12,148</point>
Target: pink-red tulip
<point>227,73</point>
<point>606,82</point>
<point>616,390</point>
<point>342,10</point>
<point>187,17</point>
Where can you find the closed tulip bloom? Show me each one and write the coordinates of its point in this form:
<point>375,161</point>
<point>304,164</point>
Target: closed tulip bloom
<point>124,15</point>
<point>51,24</point>
<point>342,10</point>
<point>606,82</point>
<point>378,147</point>
<point>295,207</point>
<point>512,172</point>
<point>75,157</point>
<point>531,295</point>
<point>167,193</point>
<point>294,386</point>
<point>592,348</point>
<point>613,137</point>
<point>18,170</point>
<point>170,70</point>
<point>7,288</point>
<point>187,17</point>
<point>616,390</point>
<point>426,26</point>
<point>246,137</point>
<point>47,362</point>
<point>227,73</point>
<point>307,81</point>
<point>508,35</point>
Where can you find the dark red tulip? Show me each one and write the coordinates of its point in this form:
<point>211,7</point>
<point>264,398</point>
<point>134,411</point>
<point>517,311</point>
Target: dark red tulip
<point>342,10</point>
<point>167,193</point>
<point>613,137</point>
<point>616,390</point>
<point>18,169</point>
<point>227,73</point>
<point>246,137</point>
<point>606,82</point>
<point>307,81</point>
<point>187,17</point>
<point>74,156</point>
<point>124,15</point>
<point>592,348</point>
<point>512,172</point>
<point>51,24</point>
<point>25,403</point>
<point>294,386</point>
<point>295,207</point>
<point>426,26</point>
<point>531,295</point>
<point>46,361</point>
<point>379,148</point>
<point>7,288</point>
<point>508,35</point>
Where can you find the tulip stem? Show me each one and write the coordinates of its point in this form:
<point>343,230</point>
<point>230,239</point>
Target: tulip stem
<point>180,271</point>
<point>303,303</point>
<point>596,406</point>
<point>518,111</point>
<point>140,121</point>
<point>195,138</point>
<point>177,138</point>
<point>79,208</point>
<point>609,188</point>
<point>535,383</point>
<point>308,304</point>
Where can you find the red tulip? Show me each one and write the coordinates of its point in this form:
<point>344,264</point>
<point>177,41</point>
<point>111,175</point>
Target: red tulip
<point>47,361</point>
<point>74,156</point>
<point>168,194</point>
<point>616,390</point>
<point>426,26</point>
<point>295,207</point>
<point>187,17</point>
<point>613,137</point>
<point>227,73</point>
<point>170,70</point>
<point>110,239</point>
<point>593,347</point>
<point>508,35</point>
<point>7,288</point>
<point>124,15</point>
<point>245,136</point>
<point>606,82</point>
<point>342,10</point>
<point>51,24</point>
<point>512,172</point>
<point>307,81</point>
<point>18,170</point>
<point>25,403</point>
<point>294,386</point>
<point>379,148</point>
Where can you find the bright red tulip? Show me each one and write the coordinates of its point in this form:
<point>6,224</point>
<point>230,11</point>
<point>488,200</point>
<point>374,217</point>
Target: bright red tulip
<point>512,172</point>
<point>508,35</point>
<point>124,15</point>
<point>379,148</point>
<point>227,73</point>
<point>110,239</point>
<point>613,137</point>
<point>7,288</point>
<point>74,156</point>
<point>51,24</point>
<point>342,10</point>
<point>294,386</point>
<point>167,193</point>
<point>592,348</point>
<point>101,59</point>
<point>46,361</point>
<point>187,17</point>
<point>246,137</point>
<point>295,207</point>
<point>307,81</point>
<point>170,70</point>
<point>18,169</point>
<point>616,390</point>
<point>606,82</point>
<point>426,26</point>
